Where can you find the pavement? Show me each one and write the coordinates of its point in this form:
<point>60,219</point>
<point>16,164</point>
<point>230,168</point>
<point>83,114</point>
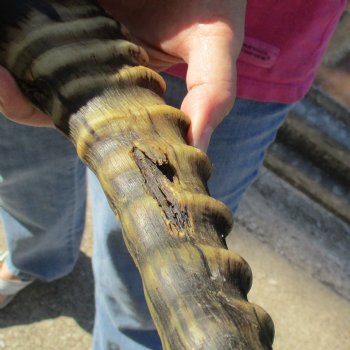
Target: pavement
<point>298,253</point>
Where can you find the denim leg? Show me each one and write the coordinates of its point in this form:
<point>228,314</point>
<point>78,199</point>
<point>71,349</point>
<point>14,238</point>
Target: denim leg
<point>237,148</point>
<point>238,145</point>
<point>42,200</point>
<point>122,319</point>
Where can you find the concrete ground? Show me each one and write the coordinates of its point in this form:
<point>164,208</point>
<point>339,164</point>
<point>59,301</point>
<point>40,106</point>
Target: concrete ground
<point>298,253</point>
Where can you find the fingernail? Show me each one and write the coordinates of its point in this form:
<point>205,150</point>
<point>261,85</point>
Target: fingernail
<point>1,106</point>
<point>202,145</point>
<point>203,142</point>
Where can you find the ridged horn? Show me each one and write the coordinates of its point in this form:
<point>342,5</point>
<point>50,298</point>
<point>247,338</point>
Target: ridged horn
<point>74,63</point>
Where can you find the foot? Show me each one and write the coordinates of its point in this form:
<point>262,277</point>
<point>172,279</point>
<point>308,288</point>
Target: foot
<point>10,285</point>
<point>6,275</point>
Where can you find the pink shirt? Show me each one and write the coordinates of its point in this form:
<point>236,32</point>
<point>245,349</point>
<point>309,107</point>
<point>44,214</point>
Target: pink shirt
<point>284,44</point>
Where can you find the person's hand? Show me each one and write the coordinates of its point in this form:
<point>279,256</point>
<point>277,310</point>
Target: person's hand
<point>206,34</point>
<point>16,107</point>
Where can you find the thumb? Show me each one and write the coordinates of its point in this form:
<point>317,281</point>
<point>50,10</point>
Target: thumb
<point>211,81</point>
<point>15,106</point>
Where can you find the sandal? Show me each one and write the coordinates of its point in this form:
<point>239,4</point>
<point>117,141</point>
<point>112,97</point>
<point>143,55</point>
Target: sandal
<point>9,288</point>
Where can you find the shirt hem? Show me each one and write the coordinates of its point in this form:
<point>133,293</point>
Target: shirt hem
<point>265,91</point>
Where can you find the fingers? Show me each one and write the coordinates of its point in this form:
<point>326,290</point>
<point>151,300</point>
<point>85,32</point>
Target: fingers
<point>159,60</point>
<point>211,82</point>
<point>16,107</point>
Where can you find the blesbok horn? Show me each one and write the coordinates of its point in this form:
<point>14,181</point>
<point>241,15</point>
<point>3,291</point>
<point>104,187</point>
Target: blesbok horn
<point>75,64</point>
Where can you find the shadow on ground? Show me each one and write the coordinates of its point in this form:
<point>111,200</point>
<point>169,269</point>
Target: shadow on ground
<point>72,296</point>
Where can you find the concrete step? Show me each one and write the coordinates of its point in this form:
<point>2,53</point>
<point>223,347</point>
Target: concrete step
<point>299,229</point>
<point>312,152</point>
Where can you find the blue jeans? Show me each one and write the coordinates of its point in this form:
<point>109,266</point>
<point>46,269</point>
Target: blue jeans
<point>43,200</point>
